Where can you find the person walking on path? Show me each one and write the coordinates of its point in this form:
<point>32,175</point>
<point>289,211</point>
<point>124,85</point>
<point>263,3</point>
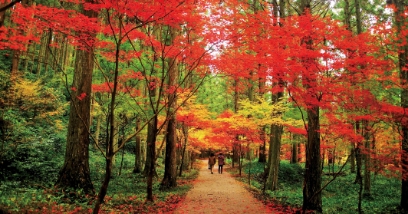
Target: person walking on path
<point>210,194</point>
<point>211,162</point>
<point>220,163</point>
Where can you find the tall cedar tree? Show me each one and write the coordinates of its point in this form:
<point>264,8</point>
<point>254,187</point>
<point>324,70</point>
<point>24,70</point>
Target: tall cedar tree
<point>170,169</point>
<point>75,172</point>
<point>276,129</point>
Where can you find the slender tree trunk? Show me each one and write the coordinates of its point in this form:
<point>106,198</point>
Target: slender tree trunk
<point>170,171</point>
<point>352,159</point>
<point>138,150</point>
<point>112,146</point>
<point>359,177</point>
<point>294,158</point>
<point>262,148</point>
<point>235,147</point>
<point>347,22</point>
<point>367,160</point>
<point>150,168</point>
<point>98,129</point>
<point>47,51</point>
<point>184,162</point>
<point>170,168</point>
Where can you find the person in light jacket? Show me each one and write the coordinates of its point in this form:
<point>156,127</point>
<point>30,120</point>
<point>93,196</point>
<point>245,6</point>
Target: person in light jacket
<point>220,162</point>
<point>211,162</point>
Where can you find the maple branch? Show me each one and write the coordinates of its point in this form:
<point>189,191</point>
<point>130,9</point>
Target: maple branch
<point>11,4</point>
<point>298,106</point>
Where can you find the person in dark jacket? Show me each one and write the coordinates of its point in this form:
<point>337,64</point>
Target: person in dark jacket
<point>211,162</point>
<point>220,163</point>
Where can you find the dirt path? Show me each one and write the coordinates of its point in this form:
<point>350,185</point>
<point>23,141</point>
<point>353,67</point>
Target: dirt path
<point>219,193</point>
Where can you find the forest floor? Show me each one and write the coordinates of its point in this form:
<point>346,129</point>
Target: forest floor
<point>219,193</point>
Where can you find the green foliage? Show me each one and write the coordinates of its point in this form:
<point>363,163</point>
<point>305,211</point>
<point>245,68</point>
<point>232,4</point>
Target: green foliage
<point>340,196</point>
<point>213,93</point>
<point>5,60</point>
<point>33,163</point>
<point>127,192</point>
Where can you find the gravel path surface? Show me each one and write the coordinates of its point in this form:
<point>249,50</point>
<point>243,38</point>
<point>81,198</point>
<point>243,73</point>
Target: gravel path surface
<point>219,193</point>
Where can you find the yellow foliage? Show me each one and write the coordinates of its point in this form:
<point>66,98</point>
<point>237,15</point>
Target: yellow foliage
<point>31,96</point>
<point>27,90</point>
<point>263,112</point>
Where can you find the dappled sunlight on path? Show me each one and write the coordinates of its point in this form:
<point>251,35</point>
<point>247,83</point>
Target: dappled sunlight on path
<point>219,193</point>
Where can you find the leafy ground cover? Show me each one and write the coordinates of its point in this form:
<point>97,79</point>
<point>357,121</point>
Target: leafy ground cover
<point>126,193</point>
<point>340,196</point>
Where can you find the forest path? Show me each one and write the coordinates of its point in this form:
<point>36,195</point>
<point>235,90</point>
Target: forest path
<point>219,193</point>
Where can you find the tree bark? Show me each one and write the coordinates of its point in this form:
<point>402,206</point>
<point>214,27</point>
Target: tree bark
<point>170,168</point>
<point>367,160</point>
<point>274,153</point>
<point>112,146</point>
<point>138,150</point>
<point>359,177</point>
<point>295,154</point>
<point>401,23</point>
<point>276,129</point>
<point>312,197</point>
<point>150,167</point>
<point>98,129</point>
<point>262,148</point>
<point>75,172</point>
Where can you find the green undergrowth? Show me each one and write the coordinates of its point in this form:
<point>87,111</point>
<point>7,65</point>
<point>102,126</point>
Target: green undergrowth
<point>126,192</point>
<point>340,196</point>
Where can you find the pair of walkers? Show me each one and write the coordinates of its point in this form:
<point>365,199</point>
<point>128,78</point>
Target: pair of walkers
<point>212,161</point>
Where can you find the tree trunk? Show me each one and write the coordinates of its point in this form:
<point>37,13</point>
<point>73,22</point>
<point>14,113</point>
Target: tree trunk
<point>312,198</point>
<point>184,162</point>
<point>262,148</point>
<point>112,146</point>
<point>401,23</point>
<point>138,150</point>
<point>294,158</point>
<point>352,159</point>
<point>14,63</point>
<point>98,129</point>
<point>2,14</point>
<point>150,168</point>
<point>359,177</point>
<point>276,130</point>
<point>170,168</point>
<point>367,160</point>
<point>75,172</point>
<point>274,153</point>
<point>235,146</point>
